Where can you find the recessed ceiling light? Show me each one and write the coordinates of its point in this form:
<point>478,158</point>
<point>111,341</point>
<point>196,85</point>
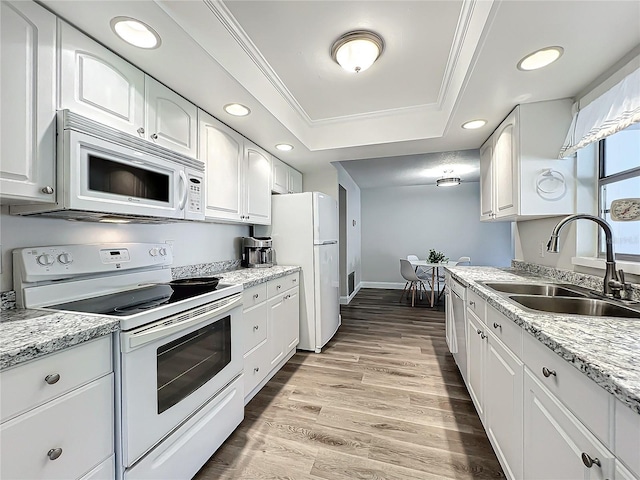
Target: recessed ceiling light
<point>237,109</point>
<point>540,58</point>
<point>448,182</point>
<point>135,32</point>
<point>284,147</point>
<point>356,51</point>
<point>473,124</point>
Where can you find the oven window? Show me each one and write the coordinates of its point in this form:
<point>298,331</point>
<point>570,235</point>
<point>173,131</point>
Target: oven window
<point>187,363</point>
<point>121,179</point>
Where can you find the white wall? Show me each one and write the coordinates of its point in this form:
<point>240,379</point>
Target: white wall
<point>192,242</point>
<point>325,181</point>
<point>399,221</point>
<point>354,224</point>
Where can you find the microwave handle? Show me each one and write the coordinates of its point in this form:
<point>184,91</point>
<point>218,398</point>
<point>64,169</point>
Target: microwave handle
<point>183,195</point>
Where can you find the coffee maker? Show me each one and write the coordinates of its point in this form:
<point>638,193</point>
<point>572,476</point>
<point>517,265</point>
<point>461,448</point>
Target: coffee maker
<point>257,252</point>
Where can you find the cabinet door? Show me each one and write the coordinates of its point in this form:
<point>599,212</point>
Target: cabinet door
<point>99,84</point>
<point>27,102</point>
<point>476,346</point>
<point>275,330</point>
<point>486,180</point>
<point>171,120</point>
<point>221,150</point>
<point>257,181</point>
<point>503,405</point>
<point>505,157</point>
<point>295,181</point>
<point>291,320</point>
<point>554,440</point>
<point>279,176</point>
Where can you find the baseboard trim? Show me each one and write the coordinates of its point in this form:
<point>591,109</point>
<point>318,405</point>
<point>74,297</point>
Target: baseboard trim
<point>345,300</point>
<point>384,285</point>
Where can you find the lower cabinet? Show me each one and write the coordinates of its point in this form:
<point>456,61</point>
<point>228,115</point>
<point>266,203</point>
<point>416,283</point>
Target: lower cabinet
<point>476,353</point>
<point>270,330</point>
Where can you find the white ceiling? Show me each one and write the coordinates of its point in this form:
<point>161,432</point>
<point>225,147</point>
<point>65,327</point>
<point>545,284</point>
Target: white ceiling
<point>445,62</point>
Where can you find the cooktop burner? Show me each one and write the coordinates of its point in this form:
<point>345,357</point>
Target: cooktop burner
<point>135,301</point>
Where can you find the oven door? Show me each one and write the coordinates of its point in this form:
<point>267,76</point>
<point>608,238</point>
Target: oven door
<point>102,176</point>
<point>172,367</point>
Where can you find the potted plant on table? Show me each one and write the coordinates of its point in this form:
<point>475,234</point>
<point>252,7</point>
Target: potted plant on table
<point>436,257</point>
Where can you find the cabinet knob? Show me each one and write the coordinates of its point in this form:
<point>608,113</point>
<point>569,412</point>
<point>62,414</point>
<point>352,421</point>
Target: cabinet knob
<point>140,131</point>
<point>247,217</point>
<point>52,378</point>
<point>479,331</point>
<point>255,295</point>
<point>48,190</point>
<point>547,373</point>
<point>295,280</point>
<point>154,136</point>
<point>496,325</point>
<point>278,287</point>
<point>589,462</point>
<point>256,327</point>
<point>472,303</point>
<point>256,369</point>
<point>482,335</point>
<point>55,453</point>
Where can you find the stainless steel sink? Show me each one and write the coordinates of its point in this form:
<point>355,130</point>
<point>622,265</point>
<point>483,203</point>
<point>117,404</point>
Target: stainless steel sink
<point>545,289</point>
<point>575,306</point>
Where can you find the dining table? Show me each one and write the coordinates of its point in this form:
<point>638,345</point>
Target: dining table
<point>435,277</point>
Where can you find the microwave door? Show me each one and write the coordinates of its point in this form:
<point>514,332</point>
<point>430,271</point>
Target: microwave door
<point>105,177</point>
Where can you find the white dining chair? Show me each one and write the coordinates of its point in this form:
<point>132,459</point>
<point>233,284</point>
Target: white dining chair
<point>413,282</point>
<point>421,272</point>
<point>463,261</point>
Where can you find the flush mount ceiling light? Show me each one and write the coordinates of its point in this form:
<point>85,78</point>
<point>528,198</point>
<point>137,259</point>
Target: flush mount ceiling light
<point>135,32</point>
<point>356,51</point>
<point>448,181</point>
<point>473,124</point>
<point>237,109</point>
<point>284,147</point>
<point>540,58</point>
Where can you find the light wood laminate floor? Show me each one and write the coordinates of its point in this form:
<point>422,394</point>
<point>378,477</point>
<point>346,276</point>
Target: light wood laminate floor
<point>384,400</point>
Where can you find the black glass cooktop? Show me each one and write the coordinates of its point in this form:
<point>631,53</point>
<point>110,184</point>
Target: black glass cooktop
<point>134,301</point>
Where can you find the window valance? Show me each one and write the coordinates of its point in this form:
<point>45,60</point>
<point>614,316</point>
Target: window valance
<point>611,112</point>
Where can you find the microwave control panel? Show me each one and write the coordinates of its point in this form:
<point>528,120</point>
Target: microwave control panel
<point>195,196</point>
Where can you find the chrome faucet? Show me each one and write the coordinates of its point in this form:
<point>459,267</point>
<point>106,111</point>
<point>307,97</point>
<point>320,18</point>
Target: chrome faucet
<point>613,280</point>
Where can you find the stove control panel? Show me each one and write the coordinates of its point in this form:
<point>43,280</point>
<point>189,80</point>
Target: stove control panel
<point>49,263</point>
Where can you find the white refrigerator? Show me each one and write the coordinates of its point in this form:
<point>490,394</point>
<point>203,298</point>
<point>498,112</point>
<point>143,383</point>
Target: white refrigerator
<point>304,230</point>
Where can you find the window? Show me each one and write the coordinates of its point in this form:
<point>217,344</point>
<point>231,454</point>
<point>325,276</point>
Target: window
<point>619,177</point>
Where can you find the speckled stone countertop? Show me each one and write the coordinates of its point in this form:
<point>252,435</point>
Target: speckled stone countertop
<point>613,361</point>
<point>27,334</point>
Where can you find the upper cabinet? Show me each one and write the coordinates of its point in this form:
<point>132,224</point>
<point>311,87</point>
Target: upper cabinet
<point>238,175</point>
<point>520,174</point>
<point>99,84</point>
<point>27,103</point>
<point>284,179</point>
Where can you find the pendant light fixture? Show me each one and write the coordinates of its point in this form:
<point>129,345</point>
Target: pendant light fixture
<point>448,180</point>
<point>356,51</point>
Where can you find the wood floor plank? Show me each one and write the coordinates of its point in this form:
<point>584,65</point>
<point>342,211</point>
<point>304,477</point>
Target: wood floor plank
<point>384,400</point>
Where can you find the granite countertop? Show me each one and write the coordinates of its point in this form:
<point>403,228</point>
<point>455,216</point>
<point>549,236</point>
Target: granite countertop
<point>613,361</point>
<point>26,334</point>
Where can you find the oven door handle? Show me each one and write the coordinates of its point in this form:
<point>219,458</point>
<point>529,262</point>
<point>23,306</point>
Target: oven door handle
<point>149,334</point>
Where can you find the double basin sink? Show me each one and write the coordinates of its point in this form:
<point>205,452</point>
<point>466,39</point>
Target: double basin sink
<point>561,299</point>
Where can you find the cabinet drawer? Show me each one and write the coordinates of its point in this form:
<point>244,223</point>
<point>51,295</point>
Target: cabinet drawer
<point>476,304</point>
<point>24,386</point>
<point>255,368</point>
<point>279,285</point>
<point>254,295</point>
<point>588,401</point>
<point>508,332</point>
<point>254,326</point>
<point>79,423</point>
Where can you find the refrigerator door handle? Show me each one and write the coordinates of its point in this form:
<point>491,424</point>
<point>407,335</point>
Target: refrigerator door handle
<point>328,242</point>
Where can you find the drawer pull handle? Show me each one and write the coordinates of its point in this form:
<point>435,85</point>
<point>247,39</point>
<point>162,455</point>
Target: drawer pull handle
<point>51,379</point>
<point>55,453</point>
<point>295,280</point>
<point>472,303</point>
<point>547,373</point>
<point>256,369</point>
<point>255,327</point>
<point>589,462</point>
<point>497,325</point>
<point>255,295</point>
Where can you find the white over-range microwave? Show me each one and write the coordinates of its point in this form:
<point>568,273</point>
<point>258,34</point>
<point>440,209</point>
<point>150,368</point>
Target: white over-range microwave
<point>106,175</point>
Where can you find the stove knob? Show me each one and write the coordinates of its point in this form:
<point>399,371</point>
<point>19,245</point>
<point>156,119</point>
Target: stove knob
<point>45,259</point>
<point>163,251</point>
<point>153,252</point>
<point>65,258</point>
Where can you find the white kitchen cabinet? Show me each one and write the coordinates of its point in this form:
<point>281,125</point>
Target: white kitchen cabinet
<point>27,103</point>
<point>171,121</point>
<point>98,84</point>
<point>271,325</point>
<point>520,174</point>
<point>238,174</point>
<point>476,353</point>
<point>284,179</point>
<point>555,442</point>
<point>295,181</point>
<point>58,414</point>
